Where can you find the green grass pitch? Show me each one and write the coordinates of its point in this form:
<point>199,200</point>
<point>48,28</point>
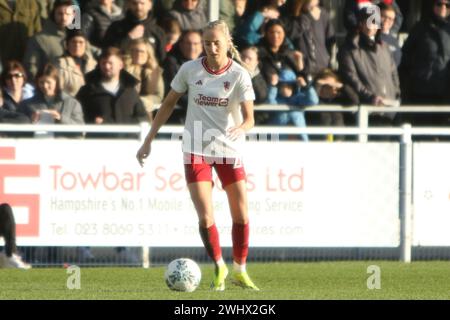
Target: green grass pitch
<point>291,281</point>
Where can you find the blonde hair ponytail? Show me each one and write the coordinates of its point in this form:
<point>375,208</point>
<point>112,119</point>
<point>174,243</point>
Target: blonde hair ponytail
<point>232,50</point>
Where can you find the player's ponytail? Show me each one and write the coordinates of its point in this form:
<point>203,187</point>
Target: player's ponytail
<point>232,50</point>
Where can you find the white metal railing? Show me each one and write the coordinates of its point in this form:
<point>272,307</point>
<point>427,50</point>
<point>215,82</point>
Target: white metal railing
<point>363,112</point>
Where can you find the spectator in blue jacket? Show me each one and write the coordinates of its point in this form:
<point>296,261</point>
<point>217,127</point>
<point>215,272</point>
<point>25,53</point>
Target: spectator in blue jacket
<point>285,90</point>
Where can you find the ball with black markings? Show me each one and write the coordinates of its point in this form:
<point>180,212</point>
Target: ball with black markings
<point>183,275</point>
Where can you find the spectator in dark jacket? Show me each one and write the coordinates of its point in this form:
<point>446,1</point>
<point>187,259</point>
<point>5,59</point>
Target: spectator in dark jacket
<point>387,21</point>
<point>109,96</point>
<point>426,55</point>
<point>425,66</point>
<point>313,34</point>
<point>333,91</point>
<point>14,89</point>
<point>353,6</point>
<point>366,64</point>
<point>98,18</point>
<point>275,54</point>
<point>251,59</point>
<point>138,23</point>
<point>188,47</point>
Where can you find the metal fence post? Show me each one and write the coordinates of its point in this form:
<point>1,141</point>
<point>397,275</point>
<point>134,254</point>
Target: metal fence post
<point>145,127</point>
<point>213,10</point>
<point>405,205</point>
<point>145,257</point>
<point>363,123</point>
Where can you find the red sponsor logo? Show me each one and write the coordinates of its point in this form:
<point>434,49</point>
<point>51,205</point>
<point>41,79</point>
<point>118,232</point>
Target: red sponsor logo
<point>30,201</point>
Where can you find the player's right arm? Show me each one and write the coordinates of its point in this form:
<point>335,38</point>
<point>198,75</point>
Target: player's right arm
<point>161,118</point>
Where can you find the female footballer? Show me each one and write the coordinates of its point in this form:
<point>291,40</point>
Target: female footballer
<point>220,112</point>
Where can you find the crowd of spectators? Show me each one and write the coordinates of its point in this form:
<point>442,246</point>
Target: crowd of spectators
<point>116,65</point>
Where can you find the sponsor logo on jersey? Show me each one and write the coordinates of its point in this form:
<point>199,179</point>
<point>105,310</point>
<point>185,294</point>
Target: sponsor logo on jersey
<point>199,83</point>
<point>208,101</point>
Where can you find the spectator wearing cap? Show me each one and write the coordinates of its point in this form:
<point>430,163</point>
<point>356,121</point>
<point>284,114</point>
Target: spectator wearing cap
<point>366,64</point>
<point>19,20</point>
<point>75,63</point>
<point>425,66</point>
<point>283,89</point>
<point>352,7</point>
<point>48,45</point>
<point>138,22</point>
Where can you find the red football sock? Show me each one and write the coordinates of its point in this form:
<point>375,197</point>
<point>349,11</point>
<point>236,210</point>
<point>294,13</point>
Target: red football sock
<point>210,238</point>
<point>240,234</point>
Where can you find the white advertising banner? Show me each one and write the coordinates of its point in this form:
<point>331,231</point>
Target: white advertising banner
<point>431,196</point>
<point>93,192</point>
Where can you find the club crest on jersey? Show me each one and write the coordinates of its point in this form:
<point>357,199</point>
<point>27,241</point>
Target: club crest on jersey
<point>226,85</point>
<point>199,83</point>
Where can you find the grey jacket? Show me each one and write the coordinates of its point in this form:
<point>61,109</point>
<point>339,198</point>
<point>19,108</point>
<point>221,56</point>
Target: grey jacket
<point>190,20</point>
<point>69,108</point>
<point>368,66</point>
<point>43,48</point>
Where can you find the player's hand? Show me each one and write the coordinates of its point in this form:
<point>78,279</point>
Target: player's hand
<point>301,82</point>
<point>298,56</point>
<point>274,79</point>
<point>377,101</point>
<point>234,133</point>
<point>143,153</point>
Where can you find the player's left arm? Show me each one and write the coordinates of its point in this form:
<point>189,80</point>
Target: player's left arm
<point>247,123</point>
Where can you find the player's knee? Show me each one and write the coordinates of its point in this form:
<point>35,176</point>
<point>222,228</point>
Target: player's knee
<point>240,220</point>
<point>206,222</point>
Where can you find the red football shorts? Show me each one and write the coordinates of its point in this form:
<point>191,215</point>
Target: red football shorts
<point>199,168</point>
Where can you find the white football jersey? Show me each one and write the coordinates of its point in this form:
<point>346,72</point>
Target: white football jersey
<point>213,106</point>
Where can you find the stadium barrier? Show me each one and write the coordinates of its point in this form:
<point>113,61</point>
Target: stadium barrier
<point>399,180</point>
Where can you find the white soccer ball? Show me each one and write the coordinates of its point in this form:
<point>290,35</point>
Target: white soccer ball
<point>183,275</point>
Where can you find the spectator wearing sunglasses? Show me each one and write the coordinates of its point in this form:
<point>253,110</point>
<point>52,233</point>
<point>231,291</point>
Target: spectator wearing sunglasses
<point>425,66</point>
<point>15,89</point>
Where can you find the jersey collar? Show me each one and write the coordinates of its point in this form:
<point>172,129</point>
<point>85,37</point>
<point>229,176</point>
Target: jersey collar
<point>218,72</point>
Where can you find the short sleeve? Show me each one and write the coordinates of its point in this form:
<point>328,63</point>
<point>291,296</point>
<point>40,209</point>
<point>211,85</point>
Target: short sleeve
<point>179,82</point>
<point>245,87</point>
